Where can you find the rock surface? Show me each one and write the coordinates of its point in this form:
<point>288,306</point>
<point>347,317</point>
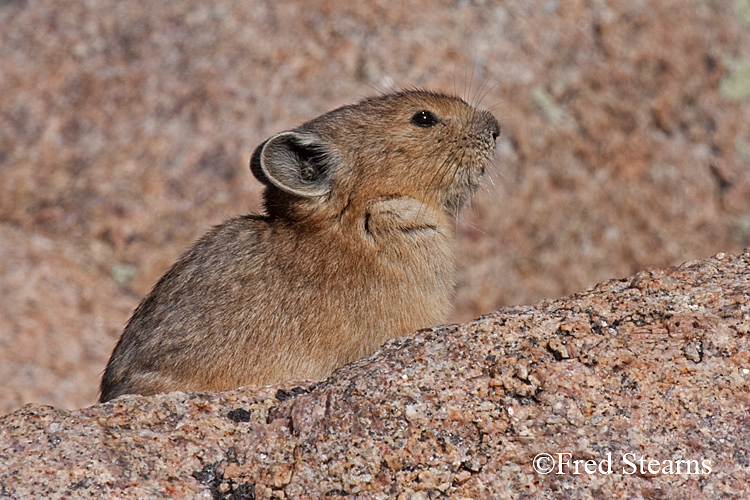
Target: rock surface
<point>652,370</point>
<point>126,130</point>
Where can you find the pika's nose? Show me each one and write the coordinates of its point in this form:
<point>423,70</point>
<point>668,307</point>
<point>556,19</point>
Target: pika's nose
<point>493,126</point>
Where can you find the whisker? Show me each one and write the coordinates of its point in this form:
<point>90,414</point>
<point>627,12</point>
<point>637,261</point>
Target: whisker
<point>476,98</point>
<point>465,221</point>
<point>440,174</point>
<point>375,87</point>
<point>496,106</point>
<point>432,185</point>
<point>466,85</point>
<point>458,165</point>
<point>496,166</point>
<point>486,93</point>
<point>471,80</point>
<point>455,68</point>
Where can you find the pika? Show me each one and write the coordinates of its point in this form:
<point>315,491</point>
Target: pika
<point>356,247</point>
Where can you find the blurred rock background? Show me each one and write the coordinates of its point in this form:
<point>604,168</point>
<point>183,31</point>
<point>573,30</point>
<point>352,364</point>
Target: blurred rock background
<point>126,129</point>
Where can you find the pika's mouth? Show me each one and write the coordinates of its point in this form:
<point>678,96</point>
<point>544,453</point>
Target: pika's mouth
<point>463,189</point>
<point>467,176</point>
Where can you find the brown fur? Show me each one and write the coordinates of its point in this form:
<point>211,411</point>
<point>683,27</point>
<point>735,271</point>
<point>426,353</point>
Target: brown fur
<point>356,248</point>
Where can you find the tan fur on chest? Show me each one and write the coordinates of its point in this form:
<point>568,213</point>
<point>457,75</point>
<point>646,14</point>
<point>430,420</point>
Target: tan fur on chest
<point>356,248</point>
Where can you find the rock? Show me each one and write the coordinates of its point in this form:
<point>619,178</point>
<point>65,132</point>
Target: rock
<point>636,388</point>
<point>53,320</point>
<point>126,132</point>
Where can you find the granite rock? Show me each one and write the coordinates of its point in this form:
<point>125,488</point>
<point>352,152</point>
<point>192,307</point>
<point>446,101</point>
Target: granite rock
<point>126,129</point>
<point>645,381</point>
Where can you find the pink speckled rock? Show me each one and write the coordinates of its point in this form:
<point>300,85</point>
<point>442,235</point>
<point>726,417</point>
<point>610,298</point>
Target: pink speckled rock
<point>647,378</point>
<point>126,129</point>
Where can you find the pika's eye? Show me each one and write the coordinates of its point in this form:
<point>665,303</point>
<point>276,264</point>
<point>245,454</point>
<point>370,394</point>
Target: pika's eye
<point>424,119</point>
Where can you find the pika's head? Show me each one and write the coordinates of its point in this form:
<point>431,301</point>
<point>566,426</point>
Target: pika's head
<point>428,146</point>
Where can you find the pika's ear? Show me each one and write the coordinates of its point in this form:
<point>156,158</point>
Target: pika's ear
<point>296,162</point>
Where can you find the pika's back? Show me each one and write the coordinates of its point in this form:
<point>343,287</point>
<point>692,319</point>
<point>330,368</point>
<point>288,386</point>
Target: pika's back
<point>355,248</point>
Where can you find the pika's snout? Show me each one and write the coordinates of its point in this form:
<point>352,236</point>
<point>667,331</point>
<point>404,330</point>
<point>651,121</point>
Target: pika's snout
<point>492,125</point>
